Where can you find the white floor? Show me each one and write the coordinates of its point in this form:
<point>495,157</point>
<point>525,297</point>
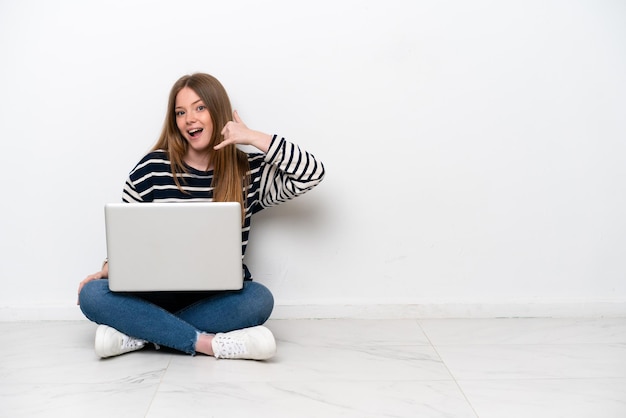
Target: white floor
<point>486,368</point>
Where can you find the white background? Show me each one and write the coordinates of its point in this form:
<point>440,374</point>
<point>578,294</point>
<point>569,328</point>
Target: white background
<point>474,149</point>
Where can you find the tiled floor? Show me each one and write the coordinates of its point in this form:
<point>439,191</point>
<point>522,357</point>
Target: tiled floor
<point>486,368</point>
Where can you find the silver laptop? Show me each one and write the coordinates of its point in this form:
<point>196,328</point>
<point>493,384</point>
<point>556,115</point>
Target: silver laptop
<point>190,246</point>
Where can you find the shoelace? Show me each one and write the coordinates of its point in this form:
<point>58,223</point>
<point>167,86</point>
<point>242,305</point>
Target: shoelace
<point>129,343</point>
<point>229,348</point>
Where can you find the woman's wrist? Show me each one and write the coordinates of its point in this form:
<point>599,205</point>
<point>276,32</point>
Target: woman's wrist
<point>261,141</point>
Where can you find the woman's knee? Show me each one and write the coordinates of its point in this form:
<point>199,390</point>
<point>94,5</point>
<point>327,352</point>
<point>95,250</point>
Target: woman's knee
<point>262,299</point>
<point>91,295</point>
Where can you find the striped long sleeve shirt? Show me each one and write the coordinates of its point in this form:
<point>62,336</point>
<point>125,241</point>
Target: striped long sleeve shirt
<point>283,173</point>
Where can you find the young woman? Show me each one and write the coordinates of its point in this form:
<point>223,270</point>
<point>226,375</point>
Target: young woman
<point>196,158</point>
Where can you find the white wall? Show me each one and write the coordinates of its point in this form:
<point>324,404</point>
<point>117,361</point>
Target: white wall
<point>474,149</point>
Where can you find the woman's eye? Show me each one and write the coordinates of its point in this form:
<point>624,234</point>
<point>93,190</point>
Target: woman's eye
<point>179,113</point>
<point>201,107</point>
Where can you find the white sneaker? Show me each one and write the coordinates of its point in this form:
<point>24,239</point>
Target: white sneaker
<point>256,343</point>
<point>110,342</point>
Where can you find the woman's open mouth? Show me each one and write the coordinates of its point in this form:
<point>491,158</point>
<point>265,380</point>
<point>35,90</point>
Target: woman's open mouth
<point>194,133</point>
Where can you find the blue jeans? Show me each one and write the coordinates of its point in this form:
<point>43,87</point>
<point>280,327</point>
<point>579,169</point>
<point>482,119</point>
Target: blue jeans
<point>174,319</point>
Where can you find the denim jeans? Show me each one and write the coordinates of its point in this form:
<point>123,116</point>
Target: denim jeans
<point>174,319</point>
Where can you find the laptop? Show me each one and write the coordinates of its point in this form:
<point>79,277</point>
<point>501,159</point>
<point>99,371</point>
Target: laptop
<point>182,246</point>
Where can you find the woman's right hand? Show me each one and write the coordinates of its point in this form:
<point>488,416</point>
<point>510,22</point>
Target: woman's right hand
<point>102,274</point>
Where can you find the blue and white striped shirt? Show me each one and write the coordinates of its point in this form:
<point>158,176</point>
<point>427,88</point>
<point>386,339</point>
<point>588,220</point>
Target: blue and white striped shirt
<point>283,173</point>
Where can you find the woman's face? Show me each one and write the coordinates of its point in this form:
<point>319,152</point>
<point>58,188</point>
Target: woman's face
<point>193,120</point>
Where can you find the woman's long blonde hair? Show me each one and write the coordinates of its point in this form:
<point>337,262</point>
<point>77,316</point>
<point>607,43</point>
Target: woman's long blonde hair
<point>230,164</point>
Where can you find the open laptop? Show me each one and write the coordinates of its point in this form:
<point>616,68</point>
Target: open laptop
<point>182,246</point>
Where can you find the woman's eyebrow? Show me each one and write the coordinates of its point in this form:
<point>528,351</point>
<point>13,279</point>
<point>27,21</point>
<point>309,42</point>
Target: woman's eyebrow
<point>181,107</point>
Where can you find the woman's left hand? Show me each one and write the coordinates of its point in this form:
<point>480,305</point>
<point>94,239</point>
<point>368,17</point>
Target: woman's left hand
<point>236,132</point>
